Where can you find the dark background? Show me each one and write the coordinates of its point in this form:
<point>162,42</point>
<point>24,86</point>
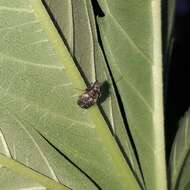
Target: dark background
<point>178,94</point>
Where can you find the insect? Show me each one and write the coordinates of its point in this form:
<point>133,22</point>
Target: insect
<point>90,96</point>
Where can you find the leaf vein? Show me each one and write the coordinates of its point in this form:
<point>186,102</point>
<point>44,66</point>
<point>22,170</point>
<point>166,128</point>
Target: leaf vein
<point>16,9</point>
<point>30,63</point>
<point>128,82</point>
<point>18,25</point>
<point>37,146</point>
<point>131,41</point>
<point>6,148</point>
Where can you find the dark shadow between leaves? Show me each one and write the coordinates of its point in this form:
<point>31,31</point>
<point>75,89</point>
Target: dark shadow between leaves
<point>68,159</point>
<point>97,9</point>
<point>105,93</point>
<point>65,41</point>
<point>56,24</point>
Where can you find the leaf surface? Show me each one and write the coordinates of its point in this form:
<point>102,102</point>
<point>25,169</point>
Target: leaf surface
<point>10,180</point>
<point>38,99</point>
<point>131,35</point>
<point>89,56</point>
<point>180,156</point>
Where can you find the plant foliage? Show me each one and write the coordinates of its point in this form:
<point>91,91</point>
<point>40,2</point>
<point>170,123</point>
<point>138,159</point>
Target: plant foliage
<point>50,51</point>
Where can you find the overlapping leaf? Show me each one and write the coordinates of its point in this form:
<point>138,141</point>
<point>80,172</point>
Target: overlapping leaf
<point>10,180</point>
<point>170,22</point>
<point>180,156</point>
<point>38,95</point>
<point>28,147</point>
<point>85,48</point>
<point>131,35</point>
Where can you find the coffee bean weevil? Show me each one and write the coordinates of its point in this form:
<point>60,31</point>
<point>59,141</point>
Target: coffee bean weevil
<point>90,96</point>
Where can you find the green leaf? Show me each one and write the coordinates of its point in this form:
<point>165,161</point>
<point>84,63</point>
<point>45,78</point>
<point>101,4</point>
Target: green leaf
<point>170,22</point>
<point>9,166</point>
<point>39,83</point>
<point>10,180</point>
<point>37,154</point>
<point>62,12</point>
<point>187,187</point>
<point>168,39</point>
<point>89,56</point>
<point>131,35</point>
<point>180,156</point>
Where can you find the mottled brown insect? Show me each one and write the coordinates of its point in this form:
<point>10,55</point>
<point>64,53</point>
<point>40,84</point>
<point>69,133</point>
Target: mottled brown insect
<point>90,96</point>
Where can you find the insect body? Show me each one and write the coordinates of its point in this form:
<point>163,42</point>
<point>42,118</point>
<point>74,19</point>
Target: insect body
<point>90,96</point>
